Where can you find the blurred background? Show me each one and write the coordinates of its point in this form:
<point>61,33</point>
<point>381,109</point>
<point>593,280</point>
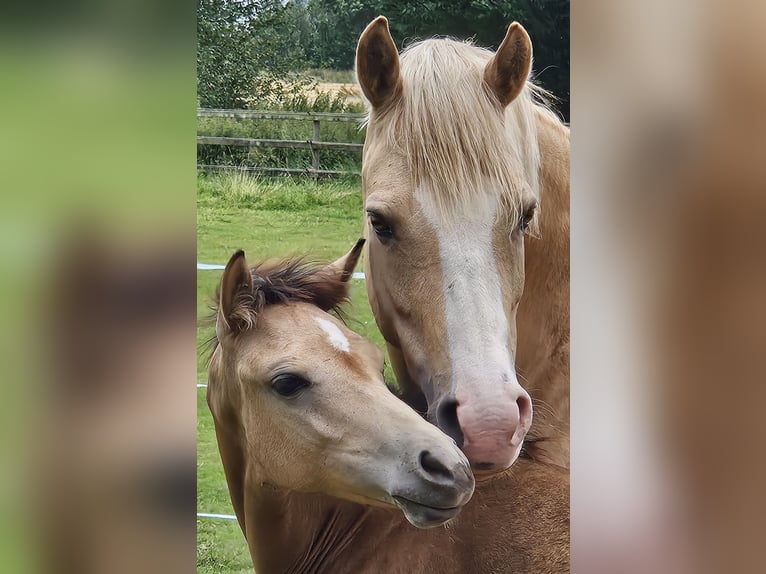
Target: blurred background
<point>668,286</point>
<point>97,247</point>
<point>97,240</point>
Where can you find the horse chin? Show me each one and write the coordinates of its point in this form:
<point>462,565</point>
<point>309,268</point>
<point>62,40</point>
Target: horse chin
<point>424,516</point>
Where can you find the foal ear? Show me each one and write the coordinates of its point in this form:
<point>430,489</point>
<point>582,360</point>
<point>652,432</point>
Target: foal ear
<point>236,281</point>
<point>377,64</point>
<point>343,268</point>
<point>507,72</point>
<point>334,280</point>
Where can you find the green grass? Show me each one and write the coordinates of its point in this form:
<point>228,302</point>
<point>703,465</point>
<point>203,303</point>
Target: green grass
<point>267,218</point>
<point>221,546</point>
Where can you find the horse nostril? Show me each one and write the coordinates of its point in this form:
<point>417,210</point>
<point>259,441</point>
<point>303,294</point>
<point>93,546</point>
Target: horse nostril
<point>447,421</point>
<point>525,410</point>
<point>433,466</point>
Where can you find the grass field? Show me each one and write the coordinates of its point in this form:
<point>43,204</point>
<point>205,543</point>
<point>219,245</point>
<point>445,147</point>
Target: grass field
<point>266,218</point>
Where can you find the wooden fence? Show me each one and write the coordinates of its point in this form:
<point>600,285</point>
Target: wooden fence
<point>315,144</point>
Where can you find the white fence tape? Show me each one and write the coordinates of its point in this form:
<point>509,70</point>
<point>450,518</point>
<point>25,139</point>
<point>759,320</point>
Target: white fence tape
<point>218,516</point>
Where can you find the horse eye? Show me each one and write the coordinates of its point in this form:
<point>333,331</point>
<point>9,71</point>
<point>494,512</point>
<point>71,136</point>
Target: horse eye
<point>289,385</point>
<point>382,229</point>
<point>526,218</point>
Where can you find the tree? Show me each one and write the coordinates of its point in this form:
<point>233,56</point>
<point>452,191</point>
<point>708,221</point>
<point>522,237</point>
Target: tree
<point>244,49</point>
<point>336,25</point>
<point>247,48</point>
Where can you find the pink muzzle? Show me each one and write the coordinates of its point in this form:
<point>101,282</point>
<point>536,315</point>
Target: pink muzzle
<point>493,425</point>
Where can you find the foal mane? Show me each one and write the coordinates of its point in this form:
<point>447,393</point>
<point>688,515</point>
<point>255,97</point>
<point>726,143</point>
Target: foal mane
<point>284,281</point>
<point>446,123</point>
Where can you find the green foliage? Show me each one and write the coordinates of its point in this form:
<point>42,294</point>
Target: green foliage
<point>250,52</point>
<point>335,27</point>
<point>246,49</point>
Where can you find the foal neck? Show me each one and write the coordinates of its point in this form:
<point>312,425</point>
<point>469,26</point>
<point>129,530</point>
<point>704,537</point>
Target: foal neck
<point>300,533</point>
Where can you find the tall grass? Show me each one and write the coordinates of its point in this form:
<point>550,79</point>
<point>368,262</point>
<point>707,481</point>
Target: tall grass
<point>332,76</point>
<point>245,190</point>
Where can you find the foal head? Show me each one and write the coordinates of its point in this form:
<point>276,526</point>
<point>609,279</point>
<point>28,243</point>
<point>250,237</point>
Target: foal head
<point>450,177</point>
<point>306,400</point>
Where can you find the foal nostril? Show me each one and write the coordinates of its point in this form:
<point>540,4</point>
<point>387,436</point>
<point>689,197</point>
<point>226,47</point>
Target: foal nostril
<point>434,467</point>
<point>447,421</point>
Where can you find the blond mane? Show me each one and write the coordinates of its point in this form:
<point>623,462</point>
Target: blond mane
<point>445,124</point>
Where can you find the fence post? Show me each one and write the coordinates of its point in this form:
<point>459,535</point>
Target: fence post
<point>315,151</point>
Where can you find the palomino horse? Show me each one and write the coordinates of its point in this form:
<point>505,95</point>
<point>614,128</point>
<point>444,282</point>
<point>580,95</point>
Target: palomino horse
<point>458,160</point>
<point>318,454</point>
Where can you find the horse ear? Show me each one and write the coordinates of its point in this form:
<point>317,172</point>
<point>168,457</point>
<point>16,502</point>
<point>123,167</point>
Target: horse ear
<point>377,64</point>
<point>343,268</point>
<point>236,281</point>
<point>507,72</point>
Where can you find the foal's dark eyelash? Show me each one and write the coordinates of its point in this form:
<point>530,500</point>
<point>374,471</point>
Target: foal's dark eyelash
<point>289,385</point>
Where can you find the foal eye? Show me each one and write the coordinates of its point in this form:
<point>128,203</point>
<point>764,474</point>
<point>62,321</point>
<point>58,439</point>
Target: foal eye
<point>289,385</point>
<point>382,229</point>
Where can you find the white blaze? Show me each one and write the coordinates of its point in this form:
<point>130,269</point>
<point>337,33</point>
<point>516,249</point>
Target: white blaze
<point>334,334</point>
<point>477,328</point>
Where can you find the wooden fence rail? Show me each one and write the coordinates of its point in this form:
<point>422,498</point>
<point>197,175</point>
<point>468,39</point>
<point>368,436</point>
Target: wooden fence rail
<point>293,144</point>
<point>269,115</point>
<point>314,144</point>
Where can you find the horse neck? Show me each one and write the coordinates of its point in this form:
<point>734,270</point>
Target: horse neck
<point>294,532</point>
<point>542,353</point>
